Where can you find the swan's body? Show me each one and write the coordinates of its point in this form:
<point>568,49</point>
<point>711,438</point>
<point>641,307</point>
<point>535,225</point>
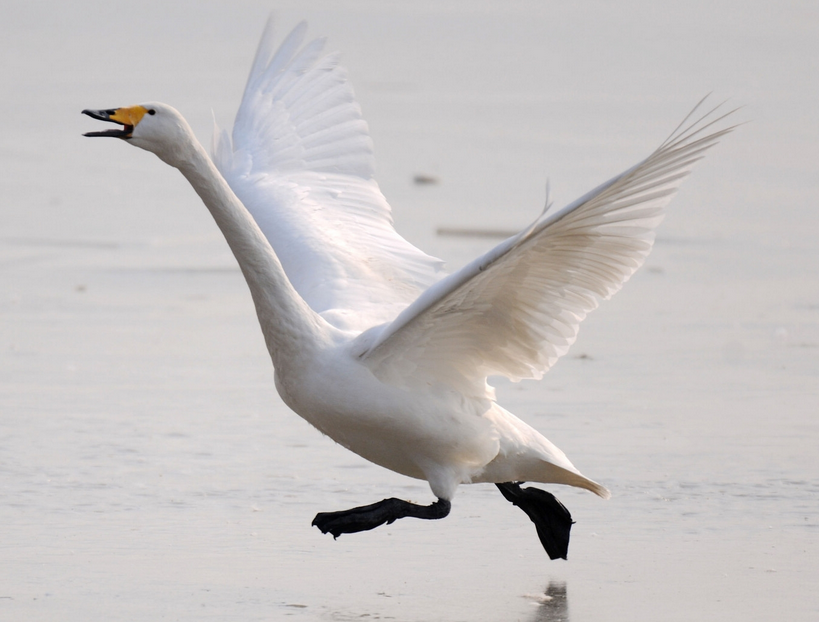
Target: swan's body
<point>370,341</point>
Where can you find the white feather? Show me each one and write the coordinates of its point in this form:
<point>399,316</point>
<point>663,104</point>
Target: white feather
<point>517,309</point>
<point>301,161</point>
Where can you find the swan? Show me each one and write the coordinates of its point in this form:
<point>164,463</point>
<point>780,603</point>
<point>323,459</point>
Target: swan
<point>372,342</point>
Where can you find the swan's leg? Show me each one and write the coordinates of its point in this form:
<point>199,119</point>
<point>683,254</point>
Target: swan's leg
<point>384,512</point>
<point>550,516</point>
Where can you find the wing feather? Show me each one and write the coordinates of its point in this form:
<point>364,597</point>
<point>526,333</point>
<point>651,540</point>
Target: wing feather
<point>517,309</point>
<point>300,159</point>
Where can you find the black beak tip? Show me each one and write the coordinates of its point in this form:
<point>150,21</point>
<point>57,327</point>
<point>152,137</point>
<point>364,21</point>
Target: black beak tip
<point>102,115</point>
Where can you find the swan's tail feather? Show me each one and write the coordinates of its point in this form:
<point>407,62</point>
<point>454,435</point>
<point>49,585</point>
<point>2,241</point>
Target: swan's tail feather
<point>580,481</point>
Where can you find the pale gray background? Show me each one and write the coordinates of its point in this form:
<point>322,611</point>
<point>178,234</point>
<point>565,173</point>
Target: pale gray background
<point>148,471</point>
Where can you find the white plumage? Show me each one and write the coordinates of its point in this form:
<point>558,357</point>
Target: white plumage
<point>371,342</point>
<point>301,161</point>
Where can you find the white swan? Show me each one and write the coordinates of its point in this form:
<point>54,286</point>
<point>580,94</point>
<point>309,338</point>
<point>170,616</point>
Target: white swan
<point>370,341</point>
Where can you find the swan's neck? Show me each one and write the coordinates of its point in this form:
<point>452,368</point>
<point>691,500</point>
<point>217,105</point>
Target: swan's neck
<point>291,328</point>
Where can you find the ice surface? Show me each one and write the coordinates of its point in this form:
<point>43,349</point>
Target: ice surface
<point>148,469</point>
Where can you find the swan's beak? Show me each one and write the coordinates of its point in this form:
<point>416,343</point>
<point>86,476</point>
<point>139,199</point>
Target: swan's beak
<point>126,117</point>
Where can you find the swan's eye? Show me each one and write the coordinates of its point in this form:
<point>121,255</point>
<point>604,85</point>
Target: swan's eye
<point>151,111</point>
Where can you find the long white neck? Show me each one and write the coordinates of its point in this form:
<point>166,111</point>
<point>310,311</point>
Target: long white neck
<point>290,327</point>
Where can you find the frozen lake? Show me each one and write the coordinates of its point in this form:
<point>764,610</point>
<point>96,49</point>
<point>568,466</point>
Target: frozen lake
<point>149,471</point>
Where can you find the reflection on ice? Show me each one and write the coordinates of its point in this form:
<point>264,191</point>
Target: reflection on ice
<point>554,604</point>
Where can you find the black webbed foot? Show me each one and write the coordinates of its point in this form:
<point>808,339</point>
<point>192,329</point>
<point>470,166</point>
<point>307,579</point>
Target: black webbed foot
<point>371,516</point>
<point>551,518</point>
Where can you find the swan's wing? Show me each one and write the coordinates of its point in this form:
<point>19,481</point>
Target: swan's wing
<point>301,161</point>
<point>516,310</point>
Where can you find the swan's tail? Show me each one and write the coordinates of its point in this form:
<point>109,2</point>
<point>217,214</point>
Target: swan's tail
<point>576,479</point>
<point>525,455</point>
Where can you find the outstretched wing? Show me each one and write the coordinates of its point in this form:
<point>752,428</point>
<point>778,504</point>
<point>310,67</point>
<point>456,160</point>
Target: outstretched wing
<point>517,309</point>
<point>301,161</point>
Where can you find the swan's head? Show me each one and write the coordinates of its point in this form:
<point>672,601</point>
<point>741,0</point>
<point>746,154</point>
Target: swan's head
<point>155,127</point>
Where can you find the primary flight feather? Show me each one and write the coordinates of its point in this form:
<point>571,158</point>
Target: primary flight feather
<point>371,341</point>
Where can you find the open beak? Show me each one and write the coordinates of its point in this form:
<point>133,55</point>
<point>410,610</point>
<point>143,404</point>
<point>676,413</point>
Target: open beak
<point>126,117</point>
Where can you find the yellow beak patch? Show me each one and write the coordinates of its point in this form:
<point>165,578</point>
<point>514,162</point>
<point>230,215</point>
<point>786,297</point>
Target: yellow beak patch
<point>129,116</point>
